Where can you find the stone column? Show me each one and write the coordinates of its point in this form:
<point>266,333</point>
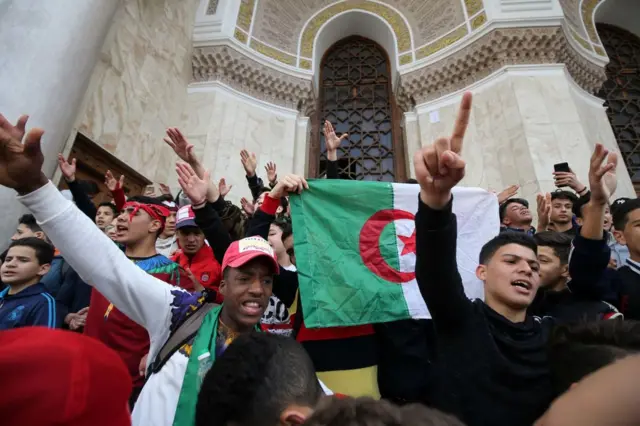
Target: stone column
<point>49,51</point>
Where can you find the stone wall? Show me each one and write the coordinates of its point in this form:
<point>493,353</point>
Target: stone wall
<point>220,123</point>
<point>138,87</point>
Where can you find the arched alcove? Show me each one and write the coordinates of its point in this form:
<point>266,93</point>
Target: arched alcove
<point>355,23</point>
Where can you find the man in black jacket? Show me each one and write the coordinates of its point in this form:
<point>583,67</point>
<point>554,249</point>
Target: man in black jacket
<point>491,364</point>
<point>591,253</point>
<point>554,298</point>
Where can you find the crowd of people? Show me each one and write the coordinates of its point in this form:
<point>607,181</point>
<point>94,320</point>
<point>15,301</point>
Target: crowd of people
<point>186,309</point>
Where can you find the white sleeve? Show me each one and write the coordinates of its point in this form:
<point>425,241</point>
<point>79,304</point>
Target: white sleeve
<point>99,262</point>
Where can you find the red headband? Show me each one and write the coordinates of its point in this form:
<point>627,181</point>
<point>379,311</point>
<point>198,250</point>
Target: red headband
<point>157,212</point>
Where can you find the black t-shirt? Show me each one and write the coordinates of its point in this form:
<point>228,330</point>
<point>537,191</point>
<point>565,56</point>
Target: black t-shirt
<point>488,370</point>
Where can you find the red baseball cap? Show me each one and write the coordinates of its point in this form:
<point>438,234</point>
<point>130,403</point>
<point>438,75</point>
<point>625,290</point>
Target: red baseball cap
<point>247,249</point>
<point>56,377</point>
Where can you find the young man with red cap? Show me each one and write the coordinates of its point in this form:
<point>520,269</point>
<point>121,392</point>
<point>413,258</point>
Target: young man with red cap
<point>170,394</point>
<point>138,226</point>
<point>61,378</point>
<point>194,254</point>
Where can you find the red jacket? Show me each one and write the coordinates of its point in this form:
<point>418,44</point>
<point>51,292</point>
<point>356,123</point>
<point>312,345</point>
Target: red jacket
<point>113,328</point>
<point>203,265</point>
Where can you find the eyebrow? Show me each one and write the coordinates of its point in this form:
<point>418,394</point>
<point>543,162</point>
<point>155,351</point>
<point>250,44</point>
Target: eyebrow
<point>529,261</point>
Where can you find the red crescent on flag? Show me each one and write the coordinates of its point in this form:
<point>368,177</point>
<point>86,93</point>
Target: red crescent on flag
<point>370,245</point>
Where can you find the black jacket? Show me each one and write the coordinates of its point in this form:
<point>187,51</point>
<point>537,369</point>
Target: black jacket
<point>488,370</point>
<point>566,307</point>
<point>593,280</point>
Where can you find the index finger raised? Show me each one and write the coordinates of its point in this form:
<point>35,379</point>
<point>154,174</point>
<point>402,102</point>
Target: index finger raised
<point>462,121</point>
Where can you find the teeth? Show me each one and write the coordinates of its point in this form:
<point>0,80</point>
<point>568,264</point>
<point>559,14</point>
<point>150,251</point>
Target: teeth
<point>252,304</point>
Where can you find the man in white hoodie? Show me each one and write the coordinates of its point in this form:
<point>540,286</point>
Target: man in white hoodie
<point>170,394</point>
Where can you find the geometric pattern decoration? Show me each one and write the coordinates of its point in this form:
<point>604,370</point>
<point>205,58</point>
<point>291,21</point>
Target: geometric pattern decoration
<point>355,98</point>
<point>621,91</point>
<point>396,22</point>
<point>212,7</point>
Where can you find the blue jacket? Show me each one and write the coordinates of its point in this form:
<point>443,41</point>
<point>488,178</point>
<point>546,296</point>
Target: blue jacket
<point>32,306</point>
<point>66,286</point>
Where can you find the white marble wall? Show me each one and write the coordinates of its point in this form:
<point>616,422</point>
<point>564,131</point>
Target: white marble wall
<point>522,123</point>
<point>220,123</point>
<point>139,86</point>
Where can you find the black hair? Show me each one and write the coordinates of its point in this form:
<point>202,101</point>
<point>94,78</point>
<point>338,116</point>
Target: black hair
<point>30,222</point>
<point>146,200</point>
<point>411,181</point>
<point>284,225</point>
<point>366,411</point>
<point>621,213</point>
<point>558,241</point>
<point>256,378</point>
<point>286,233</point>
<point>3,256</point>
<point>564,195</point>
<point>577,350</point>
<point>503,207</point>
<point>504,238</point>
<point>112,206</point>
<point>44,250</point>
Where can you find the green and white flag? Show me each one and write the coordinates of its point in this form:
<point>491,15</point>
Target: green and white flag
<point>355,249</point>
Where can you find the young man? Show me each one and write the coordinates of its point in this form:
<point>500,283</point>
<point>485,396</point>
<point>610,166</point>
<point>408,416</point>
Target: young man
<point>137,229</point>
<point>194,255</point>
<point>260,380</point>
<point>105,214</point>
<point>561,211</point>
<point>167,242</point>
<point>491,364</point>
<point>25,302</point>
<point>516,216</point>
<point>591,255</point>
<point>152,303</point>
<point>554,298</point>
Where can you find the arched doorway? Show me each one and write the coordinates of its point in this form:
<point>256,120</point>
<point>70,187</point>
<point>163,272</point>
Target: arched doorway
<point>621,92</point>
<point>356,97</point>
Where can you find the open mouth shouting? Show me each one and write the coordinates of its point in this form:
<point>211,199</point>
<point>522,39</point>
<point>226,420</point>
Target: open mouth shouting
<point>522,286</point>
<point>252,308</point>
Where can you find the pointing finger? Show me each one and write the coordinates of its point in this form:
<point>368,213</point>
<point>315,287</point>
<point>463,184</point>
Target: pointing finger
<point>461,123</point>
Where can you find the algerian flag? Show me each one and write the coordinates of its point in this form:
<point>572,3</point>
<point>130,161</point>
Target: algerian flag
<point>355,249</point>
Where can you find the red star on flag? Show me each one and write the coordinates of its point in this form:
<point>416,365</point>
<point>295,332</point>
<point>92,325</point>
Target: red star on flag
<point>409,243</point>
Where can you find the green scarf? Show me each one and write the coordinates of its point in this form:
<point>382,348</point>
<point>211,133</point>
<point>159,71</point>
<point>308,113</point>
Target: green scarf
<point>204,342</point>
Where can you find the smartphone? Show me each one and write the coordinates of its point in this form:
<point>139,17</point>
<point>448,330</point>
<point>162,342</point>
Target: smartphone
<point>561,167</point>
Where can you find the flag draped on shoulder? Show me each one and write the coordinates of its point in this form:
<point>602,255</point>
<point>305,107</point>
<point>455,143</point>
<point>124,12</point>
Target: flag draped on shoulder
<point>355,248</point>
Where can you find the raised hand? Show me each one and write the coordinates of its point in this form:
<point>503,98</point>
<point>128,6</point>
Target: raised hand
<point>194,187</point>
<point>249,162</point>
<point>20,164</point>
<point>68,169</point>
<point>112,183</point>
<point>439,167</point>
<point>332,141</point>
<point>180,145</point>
<point>248,207</point>
<point>544,211</point>
<point>602,177</point>
<point>270,168</point>
<point>569,179</point>
<point>288,184</point>
<point>223,188</point>
<point>507,193</point>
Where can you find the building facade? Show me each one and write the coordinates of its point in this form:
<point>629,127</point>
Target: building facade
<point>550,77</point>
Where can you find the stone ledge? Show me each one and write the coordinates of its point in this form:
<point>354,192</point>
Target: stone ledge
<point>227,65</point>
<point>500,47</point>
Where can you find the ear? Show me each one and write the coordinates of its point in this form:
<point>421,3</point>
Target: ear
<point>44,269</point>
<point>40,235</point>
<point>481,272</point>
<point>619,236</point>
<point>565,271</point>
<point>580,221</point>
<point>222,288</point>
<point>294,415</point>
<point>506,221</point>
<point>154,226</point>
